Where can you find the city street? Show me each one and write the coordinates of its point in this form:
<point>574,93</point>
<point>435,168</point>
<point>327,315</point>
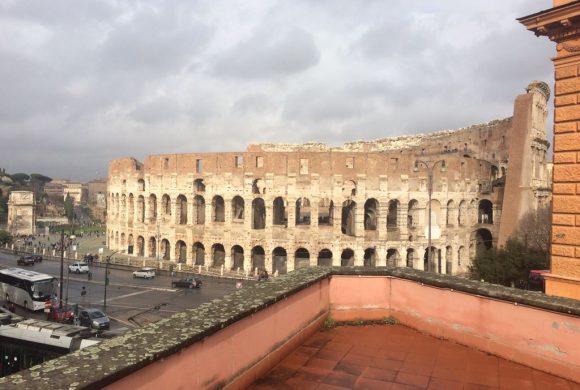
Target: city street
<point>129,302</point>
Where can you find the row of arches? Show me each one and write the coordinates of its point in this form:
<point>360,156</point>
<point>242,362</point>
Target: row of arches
<point>455,215</point>
<point>441,258</point>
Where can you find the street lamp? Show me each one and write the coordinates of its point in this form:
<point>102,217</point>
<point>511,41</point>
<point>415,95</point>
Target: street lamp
<point>107,278</point>
<point>430,165</point>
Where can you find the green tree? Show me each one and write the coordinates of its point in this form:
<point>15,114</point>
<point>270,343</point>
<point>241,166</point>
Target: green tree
<point>20,177</point>
<point>69,209</point>
<point>508,266</point>
<point>40,178</point>
<point>5,237</point>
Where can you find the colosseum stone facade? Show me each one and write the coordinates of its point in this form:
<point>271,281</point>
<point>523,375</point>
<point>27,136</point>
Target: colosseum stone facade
<point>281,207</point>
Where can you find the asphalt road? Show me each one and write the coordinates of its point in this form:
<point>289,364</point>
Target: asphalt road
<point>130,302</point>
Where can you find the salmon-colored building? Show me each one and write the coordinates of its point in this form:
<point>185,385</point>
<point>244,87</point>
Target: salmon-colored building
<point>561,24</point>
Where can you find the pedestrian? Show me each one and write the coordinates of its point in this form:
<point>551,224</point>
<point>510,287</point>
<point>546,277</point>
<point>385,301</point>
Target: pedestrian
<point>83,292</point>
<point>11,307</point>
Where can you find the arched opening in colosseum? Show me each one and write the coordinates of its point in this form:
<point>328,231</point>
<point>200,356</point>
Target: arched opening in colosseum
<point>131,208</point>
<point>130,244</point>
<point>218,255</point>
<point>448,260</point>
<point>430,267</point>
<point>181,210</point>
<point>279,216</point>
<point>435,216</point>
<point>347,258</point>
<point>237,258</point>
<point>349,189</point>
<point>279,261</point>
<point>165,249</point>
<point>393,215</point>
<point>123,247</point>
<point>413,214</point>
<point>123,205</point>
<point>325,258</point>
<point>348,220</point>
<point>237,209</point>
<point>199,209</point>
<point>141,184</point>
<point>117,241</point>
<point>392,258</point>
<point>198,253</point>
<point>258,187</point>
<point>152,247</point>
<point>370,257</point>
<point>461,256</point>
<point>451,217</point>
<point>118,205</point>
<point>166,205</point>
<point>140,246</point>
<point>258,258</point>
<point>198,185</point>
<point>483,240</point>
<point>152,207</point>
<point>258,214</point>
<point>180,251</point>
<point>410,257</point>
<point>301,258</point>
<point>494,173</point>
<point>485,212</point>
<point>302,211</point>
<point>140,209</point>
<point>218,209</point>
<point>462,216</point>
<point>325,212</point>
<point>371,214</point>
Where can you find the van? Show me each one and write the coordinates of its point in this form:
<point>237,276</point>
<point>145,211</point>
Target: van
<point>79,268</point>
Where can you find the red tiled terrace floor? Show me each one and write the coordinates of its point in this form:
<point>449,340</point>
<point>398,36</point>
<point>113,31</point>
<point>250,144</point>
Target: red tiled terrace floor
<point>396,357</point>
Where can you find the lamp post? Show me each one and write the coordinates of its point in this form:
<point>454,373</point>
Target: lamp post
<point>430,165</point>
<point>107,278</point>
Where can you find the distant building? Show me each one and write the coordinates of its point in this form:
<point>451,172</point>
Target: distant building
<point>77,191</point>
<point>21,213</point>
<point>97,198</point>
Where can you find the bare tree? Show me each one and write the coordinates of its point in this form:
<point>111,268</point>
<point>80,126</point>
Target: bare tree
<point>534,229</point>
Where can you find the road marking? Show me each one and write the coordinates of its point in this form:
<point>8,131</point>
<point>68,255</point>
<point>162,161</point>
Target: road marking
<point>123,296</point>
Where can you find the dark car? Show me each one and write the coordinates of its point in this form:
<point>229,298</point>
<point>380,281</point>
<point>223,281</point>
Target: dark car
<point>25,260</point>
<point>37,258</point>
<point>94,319</point>
<point>63,314</point>
<point>194,282</point>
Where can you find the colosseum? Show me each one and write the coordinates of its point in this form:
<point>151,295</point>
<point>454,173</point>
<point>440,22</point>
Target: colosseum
<point>281,207</point>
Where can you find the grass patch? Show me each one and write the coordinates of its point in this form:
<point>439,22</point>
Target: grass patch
<point>329,323</point>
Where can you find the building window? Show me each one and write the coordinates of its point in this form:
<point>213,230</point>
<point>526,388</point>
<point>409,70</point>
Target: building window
<point>259,162</point>
<point>393,163</point>
<point>166,162</point>
<point>303,166</point>
<point>198,165</point>
<point>239,161</point>
<point>350,162</point>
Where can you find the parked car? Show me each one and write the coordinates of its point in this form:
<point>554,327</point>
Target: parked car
<point>63,314</point>
<point>25,260</point>
<point>79,268</point>
<point>94,319</point>
<point>145,273</point>
<point>194,282</point>
<point>37,258</point>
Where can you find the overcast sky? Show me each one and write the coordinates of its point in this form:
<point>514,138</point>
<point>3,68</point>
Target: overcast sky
<point>84,82</point>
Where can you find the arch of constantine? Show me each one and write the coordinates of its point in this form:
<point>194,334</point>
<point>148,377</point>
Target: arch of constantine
<point>281,207</point>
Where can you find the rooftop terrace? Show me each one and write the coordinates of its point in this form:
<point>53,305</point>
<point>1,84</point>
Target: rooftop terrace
<point>234,341</point>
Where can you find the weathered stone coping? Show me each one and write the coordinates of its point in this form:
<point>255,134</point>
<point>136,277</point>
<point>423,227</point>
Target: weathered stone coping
<point>107,362</point>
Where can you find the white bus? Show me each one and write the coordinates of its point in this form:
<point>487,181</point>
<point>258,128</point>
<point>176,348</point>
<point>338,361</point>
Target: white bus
<point>26,288</point>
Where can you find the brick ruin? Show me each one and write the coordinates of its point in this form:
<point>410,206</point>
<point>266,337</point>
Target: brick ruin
<point>282,207</point>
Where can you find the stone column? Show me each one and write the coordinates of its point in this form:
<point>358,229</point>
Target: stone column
<point>290,259</point>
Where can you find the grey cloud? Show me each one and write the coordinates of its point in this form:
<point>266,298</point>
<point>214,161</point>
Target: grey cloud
<point>269,55</point>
